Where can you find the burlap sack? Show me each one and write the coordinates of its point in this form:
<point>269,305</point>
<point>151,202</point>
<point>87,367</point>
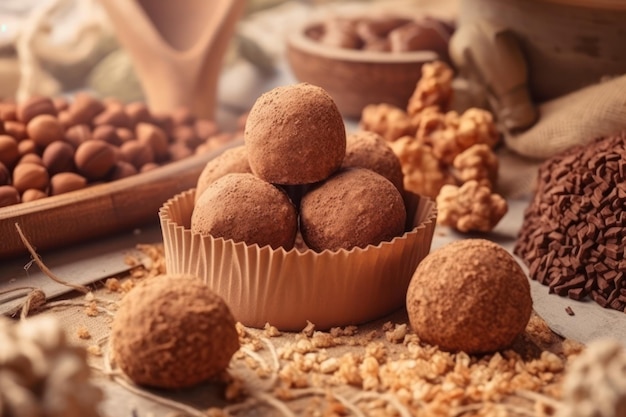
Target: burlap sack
<point>573,119</point>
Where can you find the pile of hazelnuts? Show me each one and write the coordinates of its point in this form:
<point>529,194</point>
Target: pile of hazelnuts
<point>54,146</point>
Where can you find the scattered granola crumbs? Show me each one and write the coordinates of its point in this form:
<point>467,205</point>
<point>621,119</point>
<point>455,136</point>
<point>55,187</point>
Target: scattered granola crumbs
<point>92,309</point>
<point>323,340</point>
<point>308,329</point>
<point>346,331</point>
<point>304,346</point>
<point>139,273</point>
<point>376,350</point>
<point>90,296</point>
<point>241,330</point>
<point>94,350</point>
<point>348,372</point>
<point>396,335</point>
<point>132,260</point>
<point>370,336</point>
<point>329,365</point>
<point>383,374</point>
<point>271,331</point>
<point>235,388</point>
<point>83,333</point>
<point>112,285</point>
<point>369,370</point>
<point>291,376</point>
<point>387,326</point>
<point>127,285</point>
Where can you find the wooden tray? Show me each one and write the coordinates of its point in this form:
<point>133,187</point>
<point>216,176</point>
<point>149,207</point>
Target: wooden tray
<point>99,210</point>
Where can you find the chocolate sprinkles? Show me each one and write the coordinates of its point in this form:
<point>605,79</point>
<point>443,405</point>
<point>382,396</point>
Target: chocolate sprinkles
<point>572,237</point>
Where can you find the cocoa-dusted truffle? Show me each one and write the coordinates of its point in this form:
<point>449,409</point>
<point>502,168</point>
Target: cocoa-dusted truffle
<point>471,296</point>
<point>295,135</point>
<point>244,208</point>
<point>173,332</point>
<point>354,208</point>
<point>369,150</point>
<point>233,160</point>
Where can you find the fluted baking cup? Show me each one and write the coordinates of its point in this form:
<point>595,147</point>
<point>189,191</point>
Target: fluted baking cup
<point>287,288</point>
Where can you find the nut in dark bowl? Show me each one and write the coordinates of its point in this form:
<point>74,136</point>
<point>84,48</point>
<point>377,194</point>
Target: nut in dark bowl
<point>366,60</point>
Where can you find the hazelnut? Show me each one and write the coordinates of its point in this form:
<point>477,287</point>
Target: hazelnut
<point>32,194</point>
<point>30,175</point>
<point>138,113</point>
<point>94,159</point>
<point>165,122</point>
<point>8,196</point>
<point>112,104</point>
<point>173,332</point>
<point>108,134</point>
<point>9,152</point>
<point>66,120</point>
<point>125,135</point>
<point>58,157</point>
<point>470,295</point>
<point>136,153</point>
<point>183,116</point>
<point>78,134</point>
<point>5,175</point>
<point>114,117</point>
<point>153,137</point>
<point>15,129</point>
<point>31,157</point>
<point>45,129</point>
<point>26,146</point>
<point>84,108</point>
<point>60,103</point>
<point>205,128</point>
<point>187,135</point>
<point>8,111</point>
<point>122,169</point>
<point>179,151</point>
<point>65,182</point>
<point>33,107</point>
<point>149,167</point>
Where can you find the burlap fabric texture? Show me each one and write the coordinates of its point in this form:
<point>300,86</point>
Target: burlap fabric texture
<point>573,119</point>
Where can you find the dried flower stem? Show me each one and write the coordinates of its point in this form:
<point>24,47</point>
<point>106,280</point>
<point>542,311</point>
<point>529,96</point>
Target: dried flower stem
<point>43,267</point>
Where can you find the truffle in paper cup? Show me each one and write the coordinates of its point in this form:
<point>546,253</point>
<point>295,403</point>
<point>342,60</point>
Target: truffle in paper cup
<point>287,288</point>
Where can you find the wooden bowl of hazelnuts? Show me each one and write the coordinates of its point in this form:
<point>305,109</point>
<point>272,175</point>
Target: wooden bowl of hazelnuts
<point>363,60</point>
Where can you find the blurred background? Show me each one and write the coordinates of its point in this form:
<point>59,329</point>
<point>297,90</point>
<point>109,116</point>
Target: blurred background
<point>52,47</point>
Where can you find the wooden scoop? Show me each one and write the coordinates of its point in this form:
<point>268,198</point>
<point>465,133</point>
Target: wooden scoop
<point>176,48</point>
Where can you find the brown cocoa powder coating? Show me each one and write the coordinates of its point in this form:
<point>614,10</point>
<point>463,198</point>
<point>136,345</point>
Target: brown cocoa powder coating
<point>354,208</point>
<point>234,160</point>
<point>471,296</point>
<point>244,208</point>
<point>369,150</point>
<point>295,135</point>
<point>173,332</point>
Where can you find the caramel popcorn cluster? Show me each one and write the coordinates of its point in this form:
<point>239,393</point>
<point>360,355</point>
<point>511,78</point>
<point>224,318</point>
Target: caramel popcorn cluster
<point>441,149</point>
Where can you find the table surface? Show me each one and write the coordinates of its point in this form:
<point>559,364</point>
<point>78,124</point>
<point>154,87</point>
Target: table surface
<point>239,87</point>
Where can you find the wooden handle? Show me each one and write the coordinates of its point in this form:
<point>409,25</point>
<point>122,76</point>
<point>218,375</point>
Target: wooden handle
<point>176,48</point>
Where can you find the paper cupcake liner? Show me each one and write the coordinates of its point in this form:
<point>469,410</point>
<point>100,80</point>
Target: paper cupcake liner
<point>287,288</point>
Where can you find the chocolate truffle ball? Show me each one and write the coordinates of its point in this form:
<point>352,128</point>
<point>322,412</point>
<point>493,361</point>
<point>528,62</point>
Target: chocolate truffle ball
<point>244,208</point>
<point>233,160</point>
<point>173,332</point>
<point>471,296</point>
<point>354,208</point>
<point>369,150</point>
<point>295,135</point>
